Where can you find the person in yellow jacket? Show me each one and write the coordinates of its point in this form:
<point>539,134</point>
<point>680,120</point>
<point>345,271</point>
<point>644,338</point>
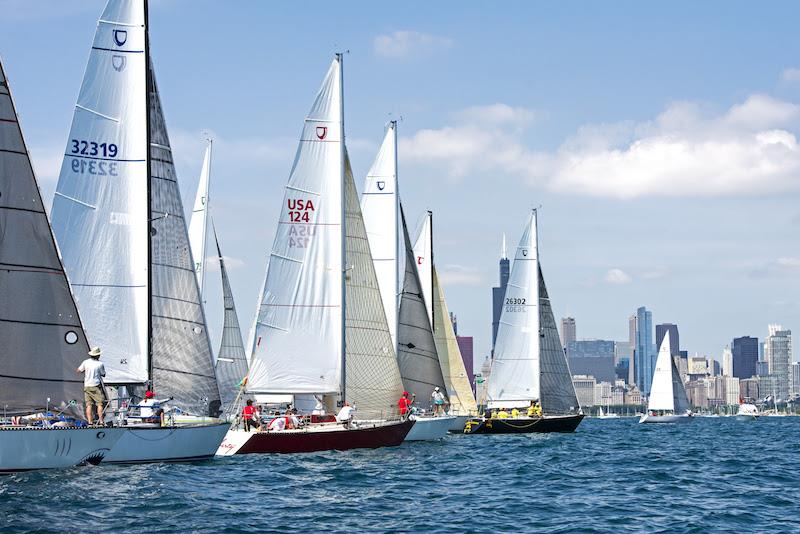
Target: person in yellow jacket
<point>534,410</point>
<point>502,414</point>
<point>514,413</point>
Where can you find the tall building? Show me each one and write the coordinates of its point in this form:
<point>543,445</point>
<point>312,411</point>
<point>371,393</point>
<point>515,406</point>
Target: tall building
<point>644,350</point>
<point>584,389</point>
<point>727,361</point>
<point>465,346</point>
<point>499,293</point>
<point>568,331</point>
<point>778,355</point>
<point>795,385</point>
<point>623,361</point>
<point>592,357</point>
<point>745,356</point>
<point>674,338</point>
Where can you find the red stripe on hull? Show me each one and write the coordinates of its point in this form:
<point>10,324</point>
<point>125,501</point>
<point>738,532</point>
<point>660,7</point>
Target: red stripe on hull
<point>390,435</point>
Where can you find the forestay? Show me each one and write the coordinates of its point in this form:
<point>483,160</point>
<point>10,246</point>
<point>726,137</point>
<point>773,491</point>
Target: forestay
<point>514,379</point>
<point>373,383</point>
<point>100,209</point>
<point>379,205</point>
<point>43,341</point>
<point>416,349</point>
<point>423,258</point>
<point>198,226</point>
<point>462,400</point>
<point>298,339</point>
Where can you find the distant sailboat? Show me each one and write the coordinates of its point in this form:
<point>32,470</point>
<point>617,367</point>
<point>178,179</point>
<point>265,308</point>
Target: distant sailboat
<point>668,402</point>
<point>321,327</point>
<point>120,225</point>
<point>198,225</point>
<point>43,339</point>
<point>529,363</point>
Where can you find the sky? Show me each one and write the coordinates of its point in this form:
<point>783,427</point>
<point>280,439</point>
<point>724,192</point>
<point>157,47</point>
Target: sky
<point>659,139</point>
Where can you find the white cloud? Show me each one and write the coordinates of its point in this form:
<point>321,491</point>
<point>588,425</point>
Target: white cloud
<point>404,44</point>
<point>618,276</point>
<point>459,275</point>
<point>790,75</point>
<point>778,267</point>
<point>684,151</point>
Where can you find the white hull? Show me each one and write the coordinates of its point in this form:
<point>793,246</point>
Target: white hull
<point>458,424</point>
<point>430,428</point>
<point>167,444</point>
<point>23,449</point>
<point>746,417</point>
<point>664,418</point>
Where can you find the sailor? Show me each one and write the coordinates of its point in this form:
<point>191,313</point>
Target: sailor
<point>532,409</point>
<point>319,406</point>
<point>502,414</point>
<point>514,413</point>
<point>345,415</point>
<point>251,417</point>
<point>405,403</point>
<point>279,423</point>
<point>93,372</point>
<point>150,408</point>
<point>437,400</point>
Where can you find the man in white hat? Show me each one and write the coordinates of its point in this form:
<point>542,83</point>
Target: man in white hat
<point>93,372</point>
<point>437,399</point>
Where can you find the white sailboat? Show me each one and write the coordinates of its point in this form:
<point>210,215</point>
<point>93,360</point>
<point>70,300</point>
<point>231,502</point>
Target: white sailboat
<point>668,402</point>
<point>747,412</point>
<point>321,327</point>
<point>120,225</point>
<point>198,225</point>
<point>529,364</point>
<point>43,339</point>
<point>459,390</point>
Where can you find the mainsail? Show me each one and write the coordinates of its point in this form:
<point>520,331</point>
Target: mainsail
<point>379,205</point>
<point>416,349</point>
<point>43,341</point>
<point>299,338</point>
<point>667,391</point>
<point>231,359</point>
<point>198,226</point>
<point>514,379</point>
<point>462,400</point>
<point>423,257</point>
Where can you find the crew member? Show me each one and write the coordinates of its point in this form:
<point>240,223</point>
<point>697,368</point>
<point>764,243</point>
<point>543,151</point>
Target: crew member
<point>93,372</point>
<point>405,403</point>
<point>150,408</point>
<point>251,417</point>
<point>502,414</point>
<point>345,415</point>
<point>437,400</point>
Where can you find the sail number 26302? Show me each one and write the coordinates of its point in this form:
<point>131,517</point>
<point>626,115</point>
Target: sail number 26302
<point>515,304</point>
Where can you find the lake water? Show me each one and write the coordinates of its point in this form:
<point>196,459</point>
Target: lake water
<point>610,476</point>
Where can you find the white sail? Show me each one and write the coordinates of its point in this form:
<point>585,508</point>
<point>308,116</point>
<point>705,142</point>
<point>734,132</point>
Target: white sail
<point>299,346</point>
<point>100,211</point>
<point>379,206</point>
<point>423,256</point>
<point>198,227</point>
<point>667,391</point>
<point>514,380</point>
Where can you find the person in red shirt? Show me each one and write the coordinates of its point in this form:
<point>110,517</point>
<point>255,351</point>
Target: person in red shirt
<point>250,416</point>
<point>405,403</point>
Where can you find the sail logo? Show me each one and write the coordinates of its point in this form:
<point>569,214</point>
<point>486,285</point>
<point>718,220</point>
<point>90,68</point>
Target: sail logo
<point>120,37</point>
<point>524,252</point>
<point>420,260</point>
<point>322,132</point>
<point>381,185</point>
<point>118,62</point>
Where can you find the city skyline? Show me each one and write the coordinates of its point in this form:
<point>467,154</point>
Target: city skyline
<point>718,239</point>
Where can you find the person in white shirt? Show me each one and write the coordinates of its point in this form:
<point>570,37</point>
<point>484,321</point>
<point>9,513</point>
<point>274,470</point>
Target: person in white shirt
<point>277,424</point>
<point>345,415</point>
<point>437,399</point>
<point>150,408</point>
<point>93,372</point>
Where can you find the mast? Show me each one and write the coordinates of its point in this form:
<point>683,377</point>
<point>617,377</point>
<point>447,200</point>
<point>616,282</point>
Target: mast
<point>343,388</point>
<point>148,164</point>
<point>397,292</point>
<point>430,304</point>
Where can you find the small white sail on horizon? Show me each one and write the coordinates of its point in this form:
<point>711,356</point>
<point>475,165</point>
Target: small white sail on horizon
<point>667,393</point>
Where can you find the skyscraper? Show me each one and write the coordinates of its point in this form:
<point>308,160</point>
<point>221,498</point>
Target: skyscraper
<point>644,350</point>
<point>568,331</point>
<point>499,293</point>
<point>745,356</point>
<point>465,346</point>
<point>674,338</point>
<point>778,355</point>
<point>727,361</point>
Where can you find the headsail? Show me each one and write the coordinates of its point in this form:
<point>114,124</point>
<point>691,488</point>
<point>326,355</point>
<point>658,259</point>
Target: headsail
<point>416,349</point>
<point>379,205</point>
<point>462,400</point>
<point>231,363</point>
<point>43,341</point>
<point>373,377</point>
<point>298,340</point>
<point>667,391</point>
<point>198,226</point>
<point>100,210</point>
<point>423,258</point>
<point>514,380</point>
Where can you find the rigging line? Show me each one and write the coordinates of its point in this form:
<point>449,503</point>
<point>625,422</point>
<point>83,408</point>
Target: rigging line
<point>41,323</point>
<point>62,195</point>
<point>29,210</point>
<point>294,188</point>
<point>181,372</point>
<point>71,381</point>
<point>128,24</point>
<point>117,50</point>
<point>97,113</point>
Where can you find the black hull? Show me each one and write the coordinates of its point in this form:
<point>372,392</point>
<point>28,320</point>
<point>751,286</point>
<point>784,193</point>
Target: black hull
<point>526,425</point>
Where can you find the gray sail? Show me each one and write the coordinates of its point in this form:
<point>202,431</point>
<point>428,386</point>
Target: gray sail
<point>416,348</point>
<point>231,359</point>
<point>181,358</point>
<point>42,338</point>
<point>679,399</point>
<point>556,390</point>
<point>372,378</point>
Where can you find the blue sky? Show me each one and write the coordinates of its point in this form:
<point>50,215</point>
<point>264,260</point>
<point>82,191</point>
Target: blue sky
<point>659,139</point>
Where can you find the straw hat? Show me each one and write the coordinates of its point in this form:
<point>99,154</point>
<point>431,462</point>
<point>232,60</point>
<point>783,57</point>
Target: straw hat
<point>95,352</point>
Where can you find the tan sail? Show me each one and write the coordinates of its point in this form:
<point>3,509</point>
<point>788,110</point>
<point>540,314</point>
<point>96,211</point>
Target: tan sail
<point>462,401</point>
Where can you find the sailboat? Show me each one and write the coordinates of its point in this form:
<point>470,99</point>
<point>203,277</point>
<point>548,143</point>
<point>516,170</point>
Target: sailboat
<point>529,364</point>
<point>610,415</point>
<point>459,392</point>
<point>405,308</point>
<point>119,221</point>
<point>668,402</point>
<point>43,338</point>
<point>321,327</point>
